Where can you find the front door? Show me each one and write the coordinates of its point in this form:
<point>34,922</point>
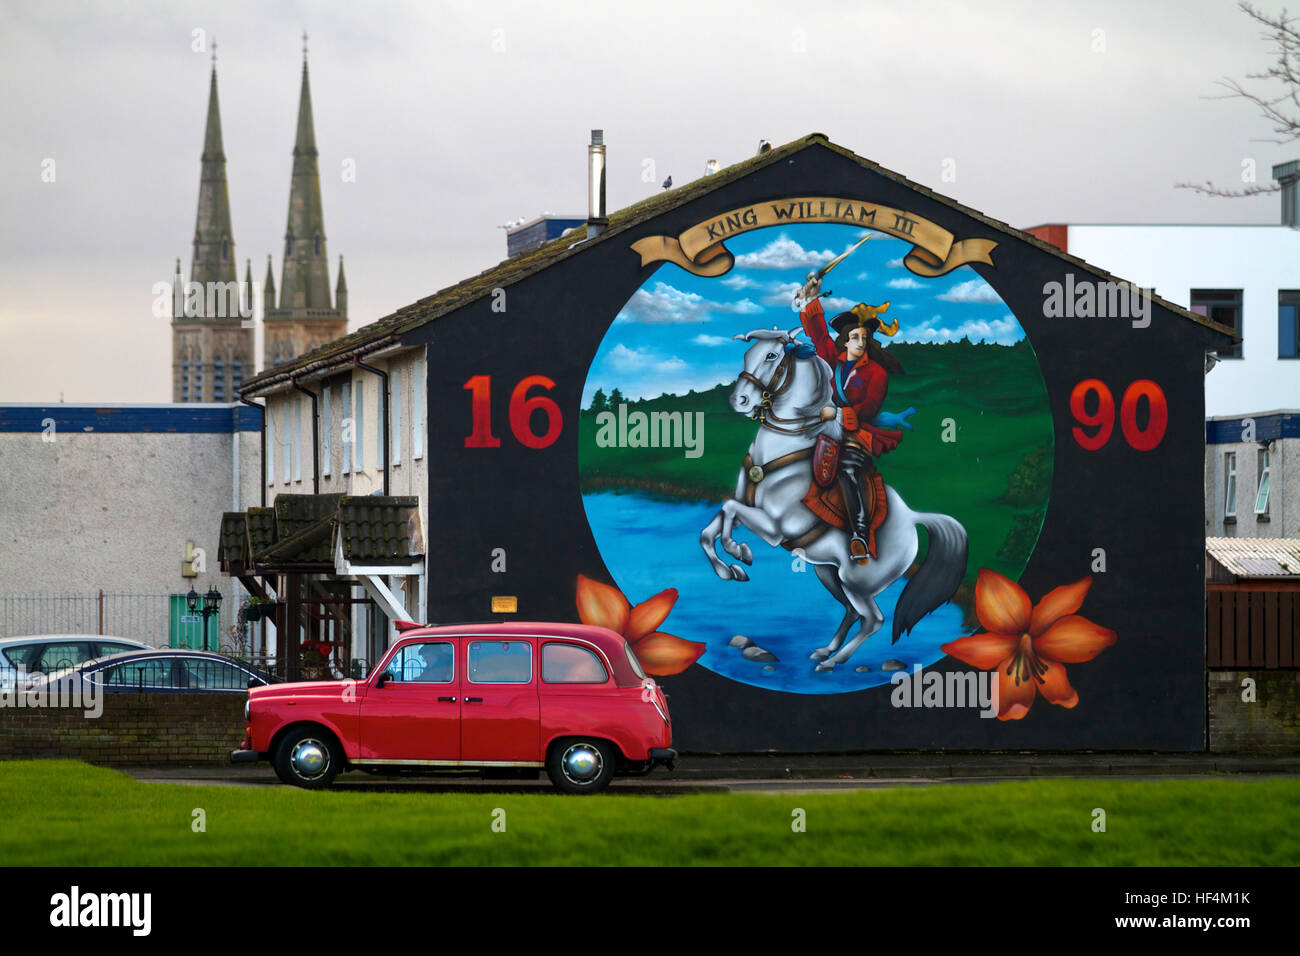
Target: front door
<point>415,716</point>
<point>501,716</point>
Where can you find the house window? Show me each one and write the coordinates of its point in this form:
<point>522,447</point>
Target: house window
<point>219,380</point>
<point>1288,324</point>
<point>287,443</point>
<point>237,374</point>
<point>318,245</point>
<point>327,423</point>
<point>417,409</point>
<point>359,429</point>
<point>1261,497</point>
<point>270,444</point>
<point>288,246</point>
<point>348,433</point>
<point>397,417</point>
<point>1230,485</point>
<point>297,439</point>
<point>225,248</point>
<point>1224,307</point>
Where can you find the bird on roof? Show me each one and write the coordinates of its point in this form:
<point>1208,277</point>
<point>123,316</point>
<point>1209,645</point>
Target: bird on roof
<point>711,167</point>
<point>763,147</point>
<point>668,183</point>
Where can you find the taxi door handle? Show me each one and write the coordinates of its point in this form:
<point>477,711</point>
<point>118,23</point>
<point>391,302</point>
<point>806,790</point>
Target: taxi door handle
<point>450,700</point>
<point>473,700</point>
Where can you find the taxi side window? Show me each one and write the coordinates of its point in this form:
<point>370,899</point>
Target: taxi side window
<point>432,662</point>
<point>500,662</point>
<point>569,664</point>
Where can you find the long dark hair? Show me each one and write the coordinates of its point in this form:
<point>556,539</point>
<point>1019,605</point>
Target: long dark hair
<point>875,352</point>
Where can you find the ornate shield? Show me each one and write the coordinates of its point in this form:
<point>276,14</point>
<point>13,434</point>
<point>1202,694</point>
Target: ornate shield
<point>826,458</point>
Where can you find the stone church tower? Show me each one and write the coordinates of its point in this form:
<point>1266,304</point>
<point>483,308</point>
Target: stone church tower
<point>212,351</point>
<point>305,317</point>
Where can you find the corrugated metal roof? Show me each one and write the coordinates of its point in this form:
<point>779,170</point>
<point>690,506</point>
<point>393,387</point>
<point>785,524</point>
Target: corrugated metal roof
<point>1257,557</point>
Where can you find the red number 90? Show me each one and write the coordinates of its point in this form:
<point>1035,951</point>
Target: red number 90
<point>1103,419</point>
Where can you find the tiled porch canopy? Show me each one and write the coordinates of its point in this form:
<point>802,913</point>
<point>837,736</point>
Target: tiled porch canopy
<point>325,534</point>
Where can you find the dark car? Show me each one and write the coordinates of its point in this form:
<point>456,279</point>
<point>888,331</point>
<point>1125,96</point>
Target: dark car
<point>159,672</point>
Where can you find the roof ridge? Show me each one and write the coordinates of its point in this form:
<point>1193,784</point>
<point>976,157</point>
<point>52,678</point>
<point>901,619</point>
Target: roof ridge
<point>516,268</point>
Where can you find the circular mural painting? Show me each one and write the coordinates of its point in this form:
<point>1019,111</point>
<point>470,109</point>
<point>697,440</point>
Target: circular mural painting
<point>783,561</point>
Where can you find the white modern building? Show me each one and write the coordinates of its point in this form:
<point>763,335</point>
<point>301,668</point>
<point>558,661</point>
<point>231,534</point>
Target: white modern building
<point>1247,276</point>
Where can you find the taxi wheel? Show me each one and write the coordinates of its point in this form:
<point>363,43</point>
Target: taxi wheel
<point>309,757</point>
<point>580,765</point>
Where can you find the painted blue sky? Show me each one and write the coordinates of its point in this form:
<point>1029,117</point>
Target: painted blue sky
<point>675,333</point>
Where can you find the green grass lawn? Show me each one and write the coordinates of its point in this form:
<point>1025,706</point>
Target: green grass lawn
<point>64,813</point>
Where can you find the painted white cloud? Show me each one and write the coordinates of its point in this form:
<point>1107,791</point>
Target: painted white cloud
<point>1003,331</point>
<point>664,305</point>
<point>737,281</point>
<point>782,294</point>
<point>895,263</point>
<point>784,253</point>
<point>711,340</point>
<point>975,290</point>
<point>906,282</point>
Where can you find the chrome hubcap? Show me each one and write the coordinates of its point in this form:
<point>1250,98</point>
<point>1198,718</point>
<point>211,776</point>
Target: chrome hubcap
<point>581,763</point>
<point>309,759</point>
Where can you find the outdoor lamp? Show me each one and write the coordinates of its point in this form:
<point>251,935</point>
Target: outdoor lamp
<point>192,600</point>
<point>213,598</point>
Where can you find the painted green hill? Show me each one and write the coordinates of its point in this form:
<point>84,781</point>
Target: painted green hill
<point>994,476</point>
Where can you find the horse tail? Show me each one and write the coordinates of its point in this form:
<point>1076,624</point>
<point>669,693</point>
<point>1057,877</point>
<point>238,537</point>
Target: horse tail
<point>939,575</point>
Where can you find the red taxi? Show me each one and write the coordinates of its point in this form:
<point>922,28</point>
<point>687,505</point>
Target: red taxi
<point>565,697</point>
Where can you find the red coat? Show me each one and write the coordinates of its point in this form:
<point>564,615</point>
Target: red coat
<point>863,395</point>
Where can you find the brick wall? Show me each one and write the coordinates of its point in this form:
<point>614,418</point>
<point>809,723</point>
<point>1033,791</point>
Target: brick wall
<point>1271,724</point>
<point>133,729</point>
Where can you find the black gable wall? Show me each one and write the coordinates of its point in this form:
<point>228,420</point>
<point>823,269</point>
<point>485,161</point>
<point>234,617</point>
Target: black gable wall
<point>1143,508</point>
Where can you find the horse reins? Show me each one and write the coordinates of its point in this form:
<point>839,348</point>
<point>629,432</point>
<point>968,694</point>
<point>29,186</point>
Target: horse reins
<point>754,473</point>
<point>763,413</point>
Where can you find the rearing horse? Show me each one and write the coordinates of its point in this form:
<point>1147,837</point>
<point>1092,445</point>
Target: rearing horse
<point>785,391</point>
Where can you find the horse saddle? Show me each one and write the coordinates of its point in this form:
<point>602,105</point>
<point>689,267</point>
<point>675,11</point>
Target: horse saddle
<point>827,503</point>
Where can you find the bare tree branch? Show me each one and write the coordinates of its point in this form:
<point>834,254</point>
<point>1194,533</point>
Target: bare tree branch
<point>1280,109</point>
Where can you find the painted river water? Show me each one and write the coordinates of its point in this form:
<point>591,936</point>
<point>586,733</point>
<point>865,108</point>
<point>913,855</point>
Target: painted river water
<point>650,544</point>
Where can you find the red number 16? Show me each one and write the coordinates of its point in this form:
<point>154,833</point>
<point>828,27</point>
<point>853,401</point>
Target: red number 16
<point>521,413</point>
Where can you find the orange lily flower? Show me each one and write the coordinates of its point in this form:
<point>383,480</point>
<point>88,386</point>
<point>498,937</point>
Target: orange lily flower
<point>1029,644</point>
<point>660,654</point>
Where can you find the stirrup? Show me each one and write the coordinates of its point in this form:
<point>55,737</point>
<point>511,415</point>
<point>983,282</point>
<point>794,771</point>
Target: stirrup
<point>858,549</point>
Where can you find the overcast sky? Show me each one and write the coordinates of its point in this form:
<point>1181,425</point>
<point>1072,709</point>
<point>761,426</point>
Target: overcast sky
<point>460,116</point>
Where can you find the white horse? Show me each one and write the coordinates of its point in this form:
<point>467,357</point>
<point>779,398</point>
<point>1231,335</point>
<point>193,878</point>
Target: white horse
<point>785,392</point>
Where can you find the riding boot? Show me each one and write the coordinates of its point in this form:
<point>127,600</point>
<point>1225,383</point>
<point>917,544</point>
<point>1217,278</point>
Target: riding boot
<point>853,463</point>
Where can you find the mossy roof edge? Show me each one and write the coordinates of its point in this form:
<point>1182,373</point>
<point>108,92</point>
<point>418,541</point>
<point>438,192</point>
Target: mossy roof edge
<point>512,270</point>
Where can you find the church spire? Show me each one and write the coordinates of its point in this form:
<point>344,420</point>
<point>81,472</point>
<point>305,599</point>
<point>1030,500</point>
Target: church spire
<point>304,281</point>
<point>341,292</point>
<point>214,244</point>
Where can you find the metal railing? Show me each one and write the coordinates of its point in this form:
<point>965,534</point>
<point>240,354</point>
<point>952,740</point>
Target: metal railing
<point>141,617</point>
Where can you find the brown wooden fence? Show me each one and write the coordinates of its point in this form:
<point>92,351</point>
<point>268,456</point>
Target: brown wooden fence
<point>1252,628</point>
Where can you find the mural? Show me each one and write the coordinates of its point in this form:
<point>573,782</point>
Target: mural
<point>822,448</point>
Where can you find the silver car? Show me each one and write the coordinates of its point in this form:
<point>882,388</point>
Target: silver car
<point>47,653</point>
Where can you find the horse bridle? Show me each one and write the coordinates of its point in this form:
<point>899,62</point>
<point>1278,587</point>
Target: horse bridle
<point>762,412</point>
